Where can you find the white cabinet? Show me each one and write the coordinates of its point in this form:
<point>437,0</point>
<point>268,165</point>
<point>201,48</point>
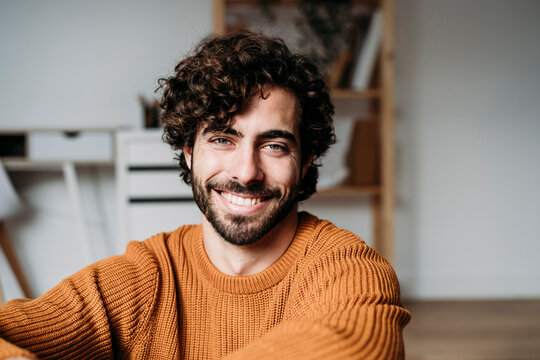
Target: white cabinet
<point>152,198</point>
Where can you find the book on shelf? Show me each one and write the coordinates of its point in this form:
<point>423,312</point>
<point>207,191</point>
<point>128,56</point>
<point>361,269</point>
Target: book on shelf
<point>367,47</point>
<point>363,158</point>
<point>338,69</point>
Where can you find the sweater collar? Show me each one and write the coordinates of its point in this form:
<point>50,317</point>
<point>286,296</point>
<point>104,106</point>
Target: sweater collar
<point>263,280</point>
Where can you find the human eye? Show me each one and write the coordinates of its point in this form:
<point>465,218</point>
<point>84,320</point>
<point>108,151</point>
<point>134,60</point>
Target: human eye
<point>276,148</point>
<point>221,141</point>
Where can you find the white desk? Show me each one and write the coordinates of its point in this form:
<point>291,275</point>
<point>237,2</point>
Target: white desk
<point>47,149</point>
<point>151,197</point>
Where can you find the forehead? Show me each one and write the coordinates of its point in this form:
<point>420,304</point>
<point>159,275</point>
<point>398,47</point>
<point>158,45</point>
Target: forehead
<point>276,109</point>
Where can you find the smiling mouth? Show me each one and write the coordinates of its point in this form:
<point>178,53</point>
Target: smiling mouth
<point>242,200</point>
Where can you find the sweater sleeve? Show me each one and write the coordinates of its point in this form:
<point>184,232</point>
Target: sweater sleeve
<point>96,313</point>
<point>345,306</point>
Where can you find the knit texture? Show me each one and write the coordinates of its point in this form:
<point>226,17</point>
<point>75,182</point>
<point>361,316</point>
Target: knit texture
<point>329,296</point>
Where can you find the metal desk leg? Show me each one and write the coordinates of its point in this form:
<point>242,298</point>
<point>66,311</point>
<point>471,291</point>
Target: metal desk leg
<point>72,183</point>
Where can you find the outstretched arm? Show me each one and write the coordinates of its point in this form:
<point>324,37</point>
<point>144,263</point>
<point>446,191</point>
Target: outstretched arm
<point>95,313</point>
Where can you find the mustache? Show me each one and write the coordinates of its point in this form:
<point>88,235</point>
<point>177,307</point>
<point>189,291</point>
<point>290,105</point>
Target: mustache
<point>258,189</point>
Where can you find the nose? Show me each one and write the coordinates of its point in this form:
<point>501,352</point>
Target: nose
<point>245,166</point>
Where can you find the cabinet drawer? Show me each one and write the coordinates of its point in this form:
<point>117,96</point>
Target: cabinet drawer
<point>149,151</point>
<point>146,220</point>
<point>76,145</point>
<point>157,183</point>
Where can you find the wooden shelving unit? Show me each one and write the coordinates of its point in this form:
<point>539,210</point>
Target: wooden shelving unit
<point>356,94</point>
<point>348,190</point>
<point>382,192</point>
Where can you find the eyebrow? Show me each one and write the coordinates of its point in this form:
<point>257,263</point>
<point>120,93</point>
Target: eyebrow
<point>273,134</point>
<point>221,129</point>
<point>270,134</point>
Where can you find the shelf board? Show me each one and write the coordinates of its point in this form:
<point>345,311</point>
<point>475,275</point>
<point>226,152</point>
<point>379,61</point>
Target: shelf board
<point>348,190</point>
<point>257,2</point>
<point>23,163</point>
<point>369,2</point>
<point>355,94</point>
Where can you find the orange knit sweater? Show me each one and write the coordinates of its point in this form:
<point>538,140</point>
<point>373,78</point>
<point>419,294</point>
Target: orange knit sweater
<point>328,297</point>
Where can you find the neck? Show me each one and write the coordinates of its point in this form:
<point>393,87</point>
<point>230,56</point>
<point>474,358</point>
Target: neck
<point>249,259</point>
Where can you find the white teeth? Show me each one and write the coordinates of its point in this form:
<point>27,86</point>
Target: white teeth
<point>237,200</point>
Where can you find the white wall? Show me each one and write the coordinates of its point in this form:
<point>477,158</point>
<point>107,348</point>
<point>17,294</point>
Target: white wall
<point>468,130</point>
<point>83,63</point>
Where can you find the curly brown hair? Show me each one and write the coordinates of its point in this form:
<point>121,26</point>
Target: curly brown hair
<point>224,72</point>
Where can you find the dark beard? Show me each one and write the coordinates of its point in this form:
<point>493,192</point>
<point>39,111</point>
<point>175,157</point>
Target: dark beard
<point>243,229</point>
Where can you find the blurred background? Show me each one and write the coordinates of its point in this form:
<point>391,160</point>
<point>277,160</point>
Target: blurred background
<point>466,164</point>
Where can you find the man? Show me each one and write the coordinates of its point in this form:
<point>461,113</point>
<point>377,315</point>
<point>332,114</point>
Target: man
<point>256,279</point>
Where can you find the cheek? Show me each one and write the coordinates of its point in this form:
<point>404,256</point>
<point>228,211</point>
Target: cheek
<point>285,174</point>
<point>206,165</point>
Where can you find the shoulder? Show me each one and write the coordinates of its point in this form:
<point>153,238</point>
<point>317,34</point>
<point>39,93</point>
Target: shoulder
<point>132,282</point>
<point>143,261</point>
<point>322,236</point>
<point>163,242</point>
<point>333,253</point>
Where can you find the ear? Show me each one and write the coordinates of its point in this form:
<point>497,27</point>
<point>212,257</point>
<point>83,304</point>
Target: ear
<point>188,152</point>
<point>306,166</point>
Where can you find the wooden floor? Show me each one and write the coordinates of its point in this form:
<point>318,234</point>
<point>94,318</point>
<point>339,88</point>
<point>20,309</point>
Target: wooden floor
<point>473,330</point>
